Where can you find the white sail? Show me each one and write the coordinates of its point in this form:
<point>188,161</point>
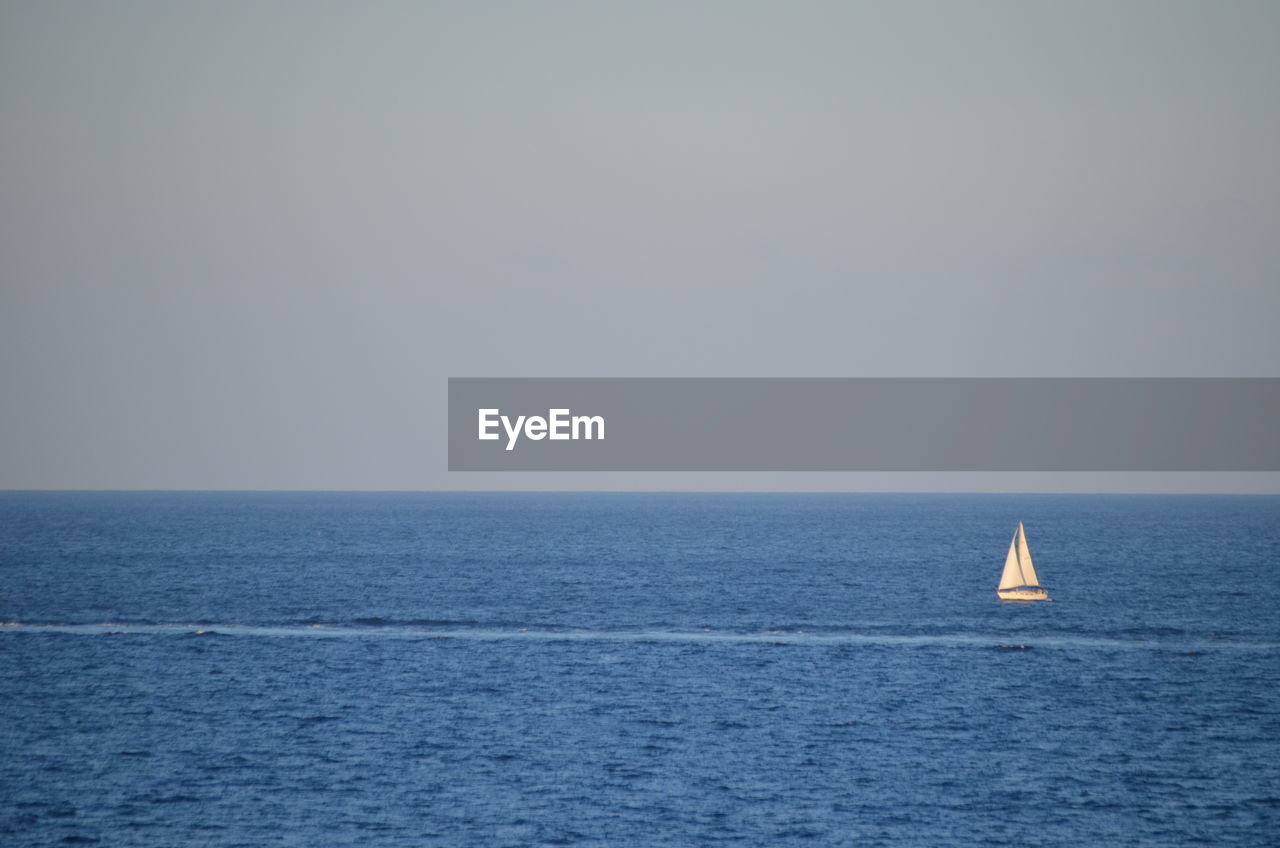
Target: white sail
<point>1019,581</point>
<point>1012,574</point>
<point>1024,559</point>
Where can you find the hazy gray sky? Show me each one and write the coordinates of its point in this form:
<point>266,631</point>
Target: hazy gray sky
<point>243,244</point>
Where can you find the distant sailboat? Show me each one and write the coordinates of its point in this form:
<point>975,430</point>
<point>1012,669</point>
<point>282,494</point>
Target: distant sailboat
<point>1018,582</point>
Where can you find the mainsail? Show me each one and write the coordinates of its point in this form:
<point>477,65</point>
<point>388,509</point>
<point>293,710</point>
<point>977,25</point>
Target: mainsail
<point>1018,570</point>
<point>1024,558</point>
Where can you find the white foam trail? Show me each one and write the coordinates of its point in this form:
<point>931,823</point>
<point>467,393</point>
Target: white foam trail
<point>774,637</point>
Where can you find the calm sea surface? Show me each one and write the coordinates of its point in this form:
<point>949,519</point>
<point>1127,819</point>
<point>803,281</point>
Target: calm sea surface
<point>208,669</point>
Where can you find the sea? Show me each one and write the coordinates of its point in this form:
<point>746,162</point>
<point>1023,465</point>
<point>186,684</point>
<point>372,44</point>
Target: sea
<point>636,669</point>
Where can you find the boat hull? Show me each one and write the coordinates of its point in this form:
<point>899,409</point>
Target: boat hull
<point>1023,593</point>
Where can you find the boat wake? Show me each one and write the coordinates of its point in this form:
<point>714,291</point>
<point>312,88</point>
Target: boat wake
<point>377,628</point>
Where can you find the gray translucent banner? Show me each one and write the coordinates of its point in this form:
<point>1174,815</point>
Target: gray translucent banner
<point>777,424</point>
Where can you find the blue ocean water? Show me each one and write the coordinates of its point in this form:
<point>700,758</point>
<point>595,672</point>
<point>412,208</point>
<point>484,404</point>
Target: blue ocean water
<point>212,669</point>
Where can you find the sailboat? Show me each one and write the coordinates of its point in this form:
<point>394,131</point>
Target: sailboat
<point>1018,581</point>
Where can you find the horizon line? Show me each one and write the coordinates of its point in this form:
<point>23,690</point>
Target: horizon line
<point>231,491</point>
